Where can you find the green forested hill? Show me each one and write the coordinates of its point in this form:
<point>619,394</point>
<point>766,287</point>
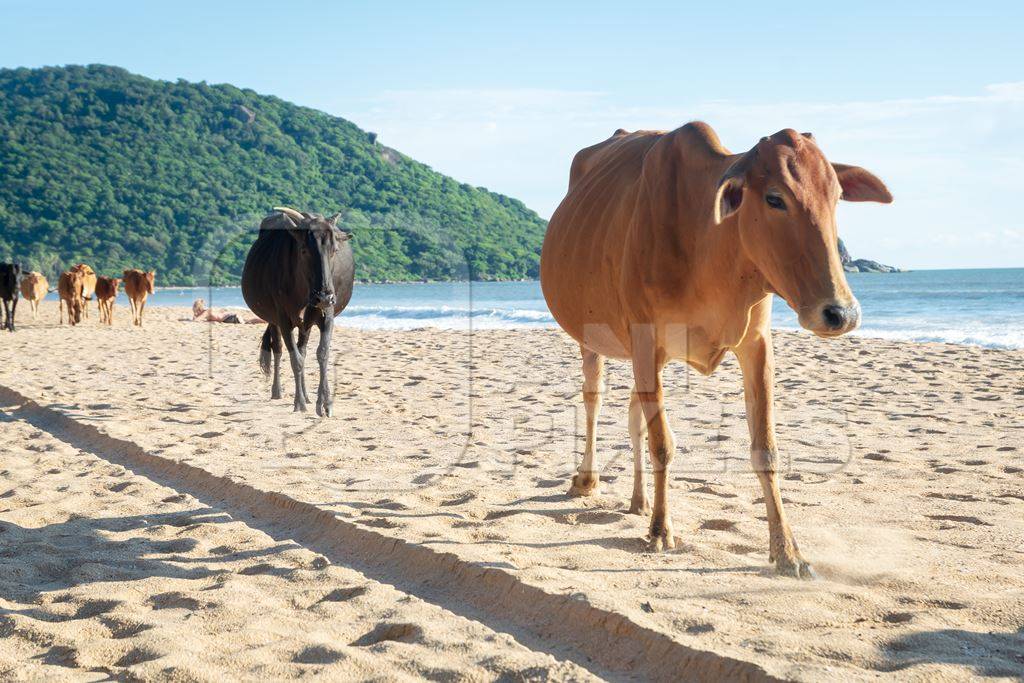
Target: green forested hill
<point>116,170</point>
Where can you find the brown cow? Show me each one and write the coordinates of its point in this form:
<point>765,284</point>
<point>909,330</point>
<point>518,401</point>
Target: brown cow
<point>70,287</point>
<point>669,247</point>
<point>34,288</point>
<point>138,285</point>
<point>88,284</point>
<point>106,293</point>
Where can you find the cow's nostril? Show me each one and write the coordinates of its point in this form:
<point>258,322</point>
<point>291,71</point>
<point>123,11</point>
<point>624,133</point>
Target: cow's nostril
<point>834,316</point>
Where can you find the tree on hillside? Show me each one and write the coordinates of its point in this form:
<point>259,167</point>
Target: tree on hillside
<point>116,170</point>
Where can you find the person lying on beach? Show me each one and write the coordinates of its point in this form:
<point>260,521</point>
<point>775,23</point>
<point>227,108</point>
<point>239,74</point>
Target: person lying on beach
<point>200,313</point>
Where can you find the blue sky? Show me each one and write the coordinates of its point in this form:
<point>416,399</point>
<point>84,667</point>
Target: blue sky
<point>928,95</point>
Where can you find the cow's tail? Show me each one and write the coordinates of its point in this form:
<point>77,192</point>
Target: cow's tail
<point>266,346</point>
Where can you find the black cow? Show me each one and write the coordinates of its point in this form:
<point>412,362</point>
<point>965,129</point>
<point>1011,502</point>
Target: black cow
<point>299,273</point>
<point>10,278</point>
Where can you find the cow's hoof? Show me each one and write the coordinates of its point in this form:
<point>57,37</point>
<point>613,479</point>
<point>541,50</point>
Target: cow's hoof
<point>796,568</point>
<point>639,505</point>
<point>300,407</point>
<point>275,394</point>
<point>661,537</point>
<point>584,484</point>
<point>324,409</point>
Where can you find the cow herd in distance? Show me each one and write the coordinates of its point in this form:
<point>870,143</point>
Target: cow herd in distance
<point>75,288</point>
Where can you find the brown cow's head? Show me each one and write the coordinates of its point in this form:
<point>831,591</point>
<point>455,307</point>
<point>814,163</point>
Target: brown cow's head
<point>107,287</point>
<point>784,193</point>
<point>150,281</point>
<point>318,239</point>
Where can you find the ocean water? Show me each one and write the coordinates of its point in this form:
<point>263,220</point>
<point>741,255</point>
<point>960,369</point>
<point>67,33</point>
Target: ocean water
<point>977,307</point>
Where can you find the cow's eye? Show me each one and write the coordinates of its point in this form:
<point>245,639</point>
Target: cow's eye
<point>775,201</point>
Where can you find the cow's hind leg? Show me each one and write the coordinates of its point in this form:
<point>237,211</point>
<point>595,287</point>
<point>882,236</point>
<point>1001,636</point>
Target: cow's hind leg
<point>296,360</point>
<point>586,479</point>
<point>638,504</point>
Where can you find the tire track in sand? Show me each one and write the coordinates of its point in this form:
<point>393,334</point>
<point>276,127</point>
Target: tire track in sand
<point>608,644</point>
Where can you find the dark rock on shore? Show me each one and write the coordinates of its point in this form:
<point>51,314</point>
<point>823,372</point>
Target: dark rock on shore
<point>862,265</point>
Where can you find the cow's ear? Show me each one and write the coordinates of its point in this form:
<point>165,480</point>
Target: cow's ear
<point>860,185</point>
<point>729,194</point>
<point>728,198</point>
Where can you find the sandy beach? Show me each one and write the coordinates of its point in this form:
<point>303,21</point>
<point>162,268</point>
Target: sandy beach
<point>160,516</point>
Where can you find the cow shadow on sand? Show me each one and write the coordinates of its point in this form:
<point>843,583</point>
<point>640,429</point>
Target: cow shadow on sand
<point>993,653</point>
<point>82,551</point>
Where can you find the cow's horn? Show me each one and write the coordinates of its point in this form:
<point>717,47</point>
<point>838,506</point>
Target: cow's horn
<point>291,213</point>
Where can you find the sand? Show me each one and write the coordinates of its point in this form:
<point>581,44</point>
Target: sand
<point>162,516</point>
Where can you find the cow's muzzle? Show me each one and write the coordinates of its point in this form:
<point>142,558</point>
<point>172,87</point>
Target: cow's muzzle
<point>324,300</point>
<point>837,319</point>
<point>831,318</point>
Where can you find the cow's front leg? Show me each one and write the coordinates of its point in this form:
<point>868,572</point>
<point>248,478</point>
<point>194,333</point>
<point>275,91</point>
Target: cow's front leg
<point>586,479</point>
<point>324,402</point>
<point>648,361</point>
<point>758,365</point>
<point>296,360</point>
<point>638,504</point>
<point>302,343</point>
<point>276,349</point>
